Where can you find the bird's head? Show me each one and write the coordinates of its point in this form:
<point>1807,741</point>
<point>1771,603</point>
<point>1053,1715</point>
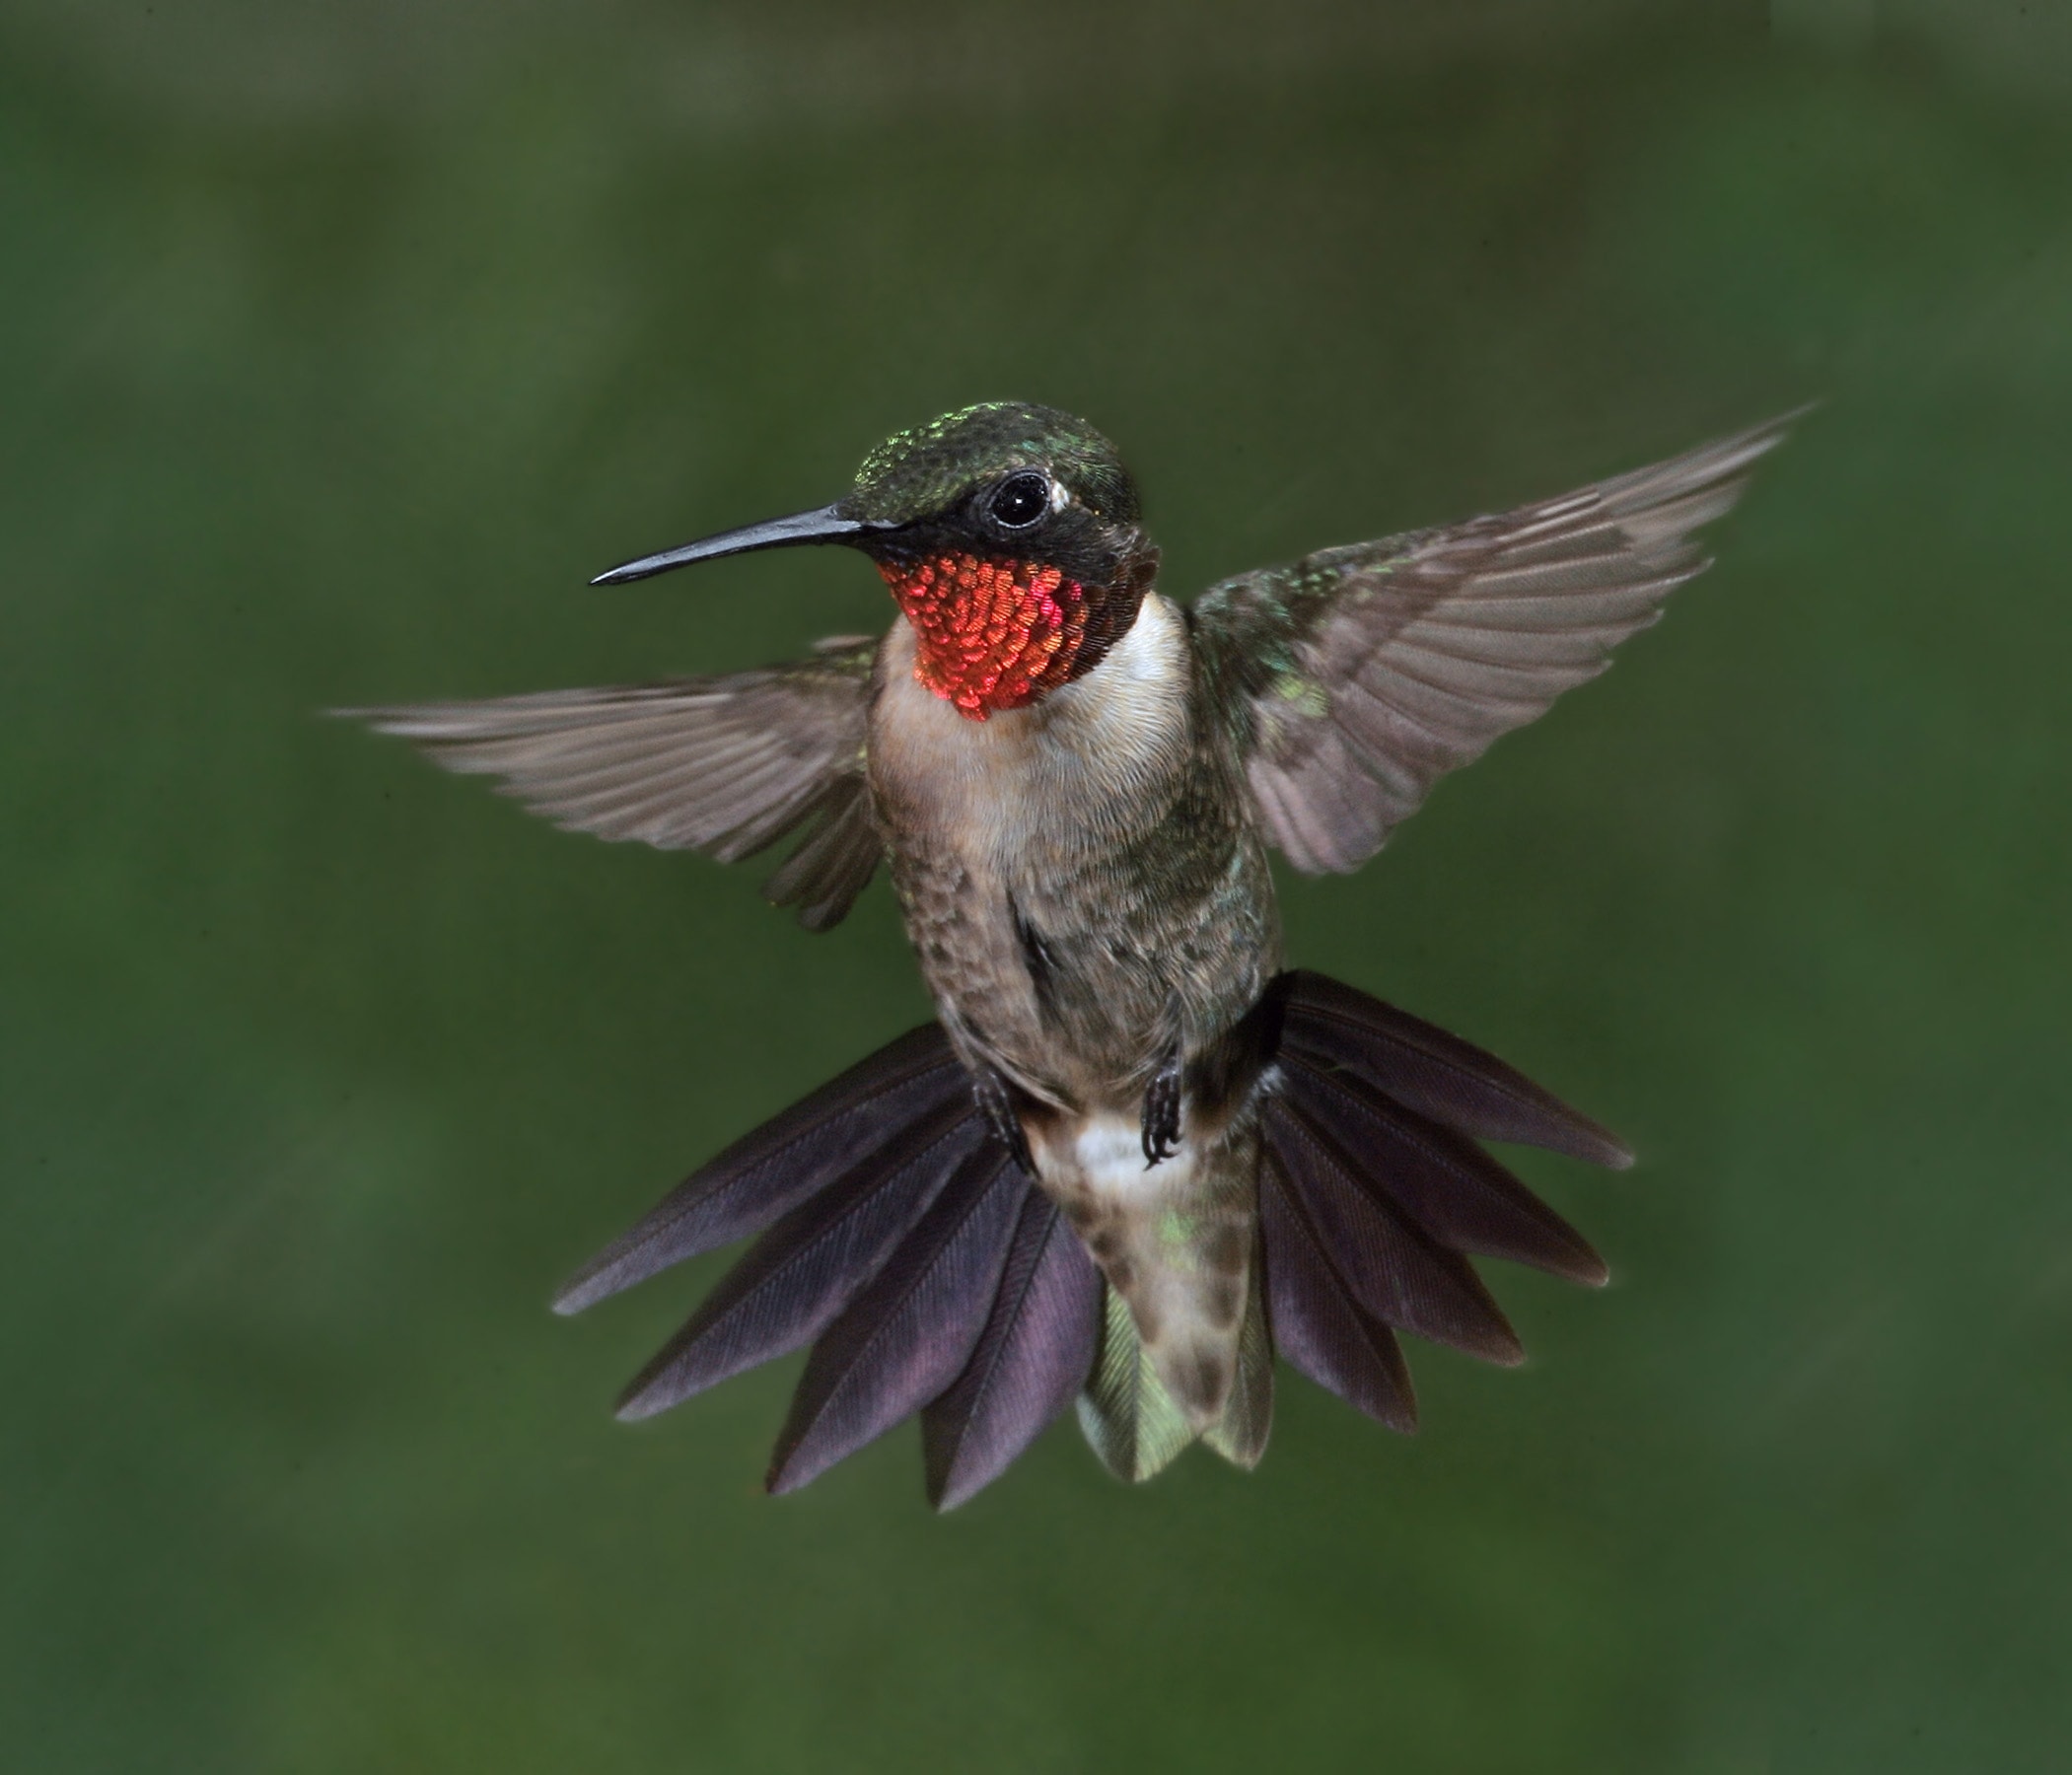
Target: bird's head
<point>1008,534</point>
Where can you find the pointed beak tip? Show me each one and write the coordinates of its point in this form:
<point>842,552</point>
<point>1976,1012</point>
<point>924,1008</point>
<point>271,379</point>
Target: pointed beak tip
<point>824,525</point>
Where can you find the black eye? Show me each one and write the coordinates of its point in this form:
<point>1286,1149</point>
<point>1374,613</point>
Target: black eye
<point>1020,499</point>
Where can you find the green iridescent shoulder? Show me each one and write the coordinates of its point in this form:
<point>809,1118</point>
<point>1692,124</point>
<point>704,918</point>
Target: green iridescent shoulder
<point>1256,676</point>
<point>1248,629</point>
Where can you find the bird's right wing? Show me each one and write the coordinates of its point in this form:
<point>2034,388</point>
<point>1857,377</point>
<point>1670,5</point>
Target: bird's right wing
<point>724,765</point>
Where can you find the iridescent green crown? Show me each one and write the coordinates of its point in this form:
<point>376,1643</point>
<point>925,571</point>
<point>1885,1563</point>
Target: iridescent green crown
<point>925,470</point>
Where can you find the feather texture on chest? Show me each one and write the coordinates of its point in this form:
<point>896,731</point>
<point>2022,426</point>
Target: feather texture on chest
<point>1076,876</point>
<point>1086,769</point>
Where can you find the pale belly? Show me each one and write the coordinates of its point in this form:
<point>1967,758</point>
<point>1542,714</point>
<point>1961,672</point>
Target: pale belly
<point>1089,904</point>
<point>1080,882</point>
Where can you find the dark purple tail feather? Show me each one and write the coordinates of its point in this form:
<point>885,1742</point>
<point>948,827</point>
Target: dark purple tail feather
<point>907,1335</point>
<point>1373,1193</point>
<point>927,1266</point>
<point>1318,1330</point>
<point>1392,1266</point>
<point>1030,1362</point>
<point>812,1263</point>
<point>1434,1073</point>
<point>1463,1197</point>
<point>770,1172</point>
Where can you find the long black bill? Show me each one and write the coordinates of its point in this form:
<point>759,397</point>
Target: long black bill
<point>827,524</point>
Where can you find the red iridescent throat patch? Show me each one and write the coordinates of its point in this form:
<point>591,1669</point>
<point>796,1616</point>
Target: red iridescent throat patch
<point>993,634</point>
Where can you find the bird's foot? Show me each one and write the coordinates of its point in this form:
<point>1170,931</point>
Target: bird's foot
<point>997,1103</point>
<point>1161,1105</point>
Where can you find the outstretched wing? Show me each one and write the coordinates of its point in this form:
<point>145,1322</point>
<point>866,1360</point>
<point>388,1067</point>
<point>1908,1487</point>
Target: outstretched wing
<point>724,765</point>
<point>1356,678</point>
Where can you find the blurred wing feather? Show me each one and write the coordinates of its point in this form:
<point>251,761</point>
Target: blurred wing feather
<point>1356,678</point>
<point>724,765</point>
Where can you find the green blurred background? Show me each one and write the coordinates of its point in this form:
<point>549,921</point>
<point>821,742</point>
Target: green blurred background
<point>341,343</point>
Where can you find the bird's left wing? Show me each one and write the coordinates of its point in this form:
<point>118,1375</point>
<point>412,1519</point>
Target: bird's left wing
<point>1356,678</point>
<point>724,765</point>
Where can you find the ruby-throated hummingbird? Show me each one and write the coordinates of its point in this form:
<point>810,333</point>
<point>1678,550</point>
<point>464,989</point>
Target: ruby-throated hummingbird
<point>1134,1158</point>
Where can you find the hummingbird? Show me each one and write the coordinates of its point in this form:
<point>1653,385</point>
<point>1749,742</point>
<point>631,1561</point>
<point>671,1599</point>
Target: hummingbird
<point>1135,1158</point>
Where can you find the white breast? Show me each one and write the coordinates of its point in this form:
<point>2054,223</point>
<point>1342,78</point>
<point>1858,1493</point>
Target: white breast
<point>1082,757</point>
<point>1107,1152</point>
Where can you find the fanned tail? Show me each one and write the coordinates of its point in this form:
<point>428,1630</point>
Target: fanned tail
<point>1374,1192</point>
<point>900,1240</point>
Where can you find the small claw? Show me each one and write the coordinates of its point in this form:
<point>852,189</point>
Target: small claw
<point>997,1105</point>
<point>1162,1105</point>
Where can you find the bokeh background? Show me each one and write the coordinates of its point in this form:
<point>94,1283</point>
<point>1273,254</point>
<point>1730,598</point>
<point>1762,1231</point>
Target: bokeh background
<point>340,344</point>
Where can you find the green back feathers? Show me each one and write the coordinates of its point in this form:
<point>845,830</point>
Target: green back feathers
<point>1132,1421</point>
<point>1126,1412</point>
